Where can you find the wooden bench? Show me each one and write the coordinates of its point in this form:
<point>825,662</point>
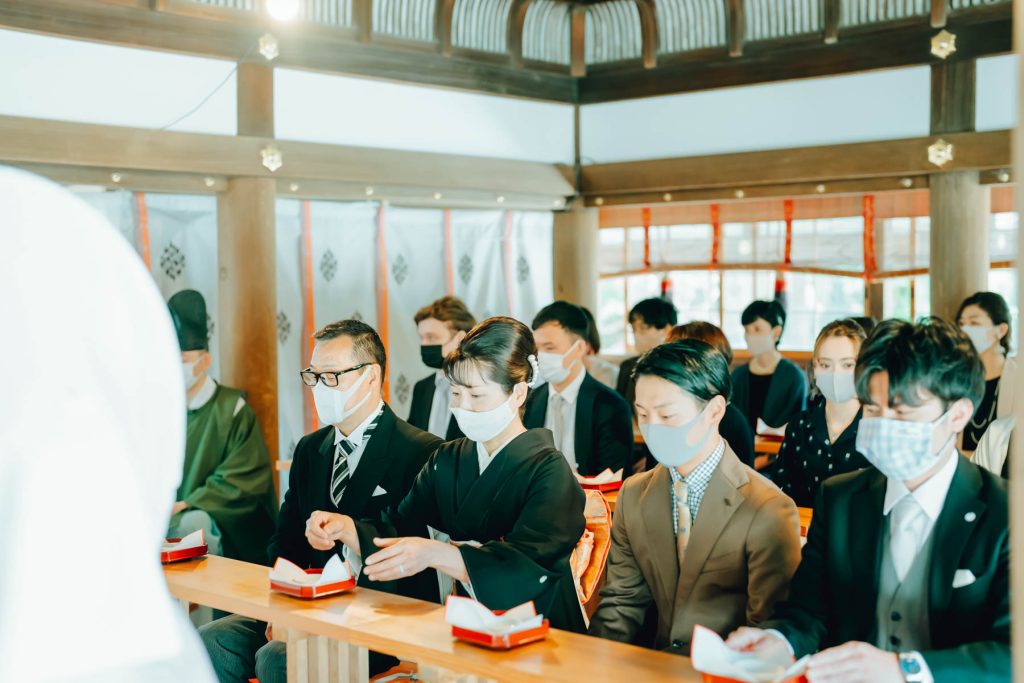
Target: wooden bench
<point>329,639</point>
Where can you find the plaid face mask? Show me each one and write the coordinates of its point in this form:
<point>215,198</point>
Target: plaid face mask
<point>900,449</point>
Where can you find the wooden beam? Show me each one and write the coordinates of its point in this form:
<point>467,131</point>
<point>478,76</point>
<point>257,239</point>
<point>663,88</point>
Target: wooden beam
<point>303,46</point>
<point>362,17</point>
<point>255,95</point>
<point>939,13</point>
<point>575,274</point>
<point>516,22</point>
<point>736,27</point>
<point>136,181</point>
<point>953,97</point>
<point>979,32</point>
<point>648,32</point>
<point>577,41</point>
<point>825,164</point>
<point>118,148</point>
<point>444,12</point>
<point>831,21</point>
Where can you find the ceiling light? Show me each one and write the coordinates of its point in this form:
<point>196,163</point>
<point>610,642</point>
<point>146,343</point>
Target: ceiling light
<point>283,10</point>
<point>269,47</point>
<point>116,177</point>
<point>271,158</point>
<point>209,181</point>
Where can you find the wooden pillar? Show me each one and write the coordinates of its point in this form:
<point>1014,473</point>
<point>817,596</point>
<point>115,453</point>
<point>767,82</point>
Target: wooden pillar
<point>1016,454</point>
<point>958,202</point>
<point>246,256</point>
<point>575,255</point>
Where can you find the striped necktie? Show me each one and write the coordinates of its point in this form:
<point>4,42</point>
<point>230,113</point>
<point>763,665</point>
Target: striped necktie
<point>342,473</point>
<point>683,517</point>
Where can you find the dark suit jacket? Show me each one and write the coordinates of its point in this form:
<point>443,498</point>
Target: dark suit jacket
<point>787,393</point>
<point>625,384</point>
<point>742,551</point>
<point>604,427</point>
<point>419,409</point>
<point>835,589</point>
<point>393,457</point>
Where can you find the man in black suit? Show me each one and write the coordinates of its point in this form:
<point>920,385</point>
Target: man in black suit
<point>442,326</point>
<point>590,422</point>
<point>652,320</point>
<point>361,464</point>
<point>905,575</point>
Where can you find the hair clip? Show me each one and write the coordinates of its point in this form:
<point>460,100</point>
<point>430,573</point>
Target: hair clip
<point>535,377</point>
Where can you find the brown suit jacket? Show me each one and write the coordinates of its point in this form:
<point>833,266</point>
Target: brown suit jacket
<point>744,547</point>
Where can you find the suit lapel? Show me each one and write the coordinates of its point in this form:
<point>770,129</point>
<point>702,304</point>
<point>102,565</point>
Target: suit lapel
<point>321,468</point>
<point>583,440</point>
<point>865,549</point>
<point>374,462</point>
<point>656,515</point>
<point>720,502</point>
<point>960,516</point>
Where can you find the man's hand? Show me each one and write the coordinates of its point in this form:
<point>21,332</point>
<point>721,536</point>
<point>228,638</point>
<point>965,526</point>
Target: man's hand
<point>402,557</point>
<point>270,632</point>
<point>854,663</point>
<point>178,507</point>
<point>324,529</point>
<point>745,639</point>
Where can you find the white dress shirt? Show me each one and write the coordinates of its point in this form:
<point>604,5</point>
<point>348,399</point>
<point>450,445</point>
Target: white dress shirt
<point>570,395</point>
<point>440,407</point>
<point>205,394</point>
<point>356,438</point>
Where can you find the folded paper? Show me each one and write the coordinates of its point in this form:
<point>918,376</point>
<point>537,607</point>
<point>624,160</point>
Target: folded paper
<point>289,573</point>
<point>963,577</point>
<point>606,477</point>
<point>710,655</point>
<point>764,430</point>
<point>196,539</point>
<point>470,615</point>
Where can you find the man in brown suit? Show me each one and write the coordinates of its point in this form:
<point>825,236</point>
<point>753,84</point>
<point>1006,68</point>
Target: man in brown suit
<point>702,536</point>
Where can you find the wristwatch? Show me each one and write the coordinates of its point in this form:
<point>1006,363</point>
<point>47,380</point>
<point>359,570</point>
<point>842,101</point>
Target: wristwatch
<point>912,667</point>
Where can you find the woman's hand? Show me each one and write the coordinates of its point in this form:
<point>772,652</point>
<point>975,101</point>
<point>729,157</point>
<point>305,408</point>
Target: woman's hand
<point>405,557</point>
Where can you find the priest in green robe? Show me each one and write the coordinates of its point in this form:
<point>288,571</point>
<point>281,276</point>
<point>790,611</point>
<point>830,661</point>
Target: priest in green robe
<point>227,488</point>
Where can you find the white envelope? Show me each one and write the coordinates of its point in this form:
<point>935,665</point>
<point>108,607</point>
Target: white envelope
<point>379,491</point>
<point>473,616</point>
<point>193,540</point>
<point>606,477</point>
<point>764,430</point>
<point>710,655</point>
<point>963,577</point>
<point>335,571</point>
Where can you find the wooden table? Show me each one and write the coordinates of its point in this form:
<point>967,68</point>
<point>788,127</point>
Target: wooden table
<point>328,639</point>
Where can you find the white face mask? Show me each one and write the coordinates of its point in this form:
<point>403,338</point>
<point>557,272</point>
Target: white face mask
<point>670,446</point>
<point>330,402</point>
<point>980,336</point>
<point>485,425</point>
<point>551,365</point>
<point>836,387</point>
<point>759,344</point>
<point>900,449</point>
<point>189,370</point>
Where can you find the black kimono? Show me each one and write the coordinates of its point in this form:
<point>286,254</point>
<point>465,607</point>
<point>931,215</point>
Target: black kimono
<point>525,509</point>
<point>785,399</point>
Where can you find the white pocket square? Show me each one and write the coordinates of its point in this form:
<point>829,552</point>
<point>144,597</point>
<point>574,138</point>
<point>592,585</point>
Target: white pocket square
<point>379,491</point>
<point>963,577</point>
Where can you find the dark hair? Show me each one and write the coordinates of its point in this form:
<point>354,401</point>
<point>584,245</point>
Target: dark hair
<point>500,349</point>
<point>995,306</point>
<point>930,354</point>
<point>569,316</point>
<point>694,366</point>
<point>449,310</point>
<point>772,312</point>
<point>656,312</point>
<point>593,335</point>
<point>705,332</point>
<point>366,344</point>
<point>866,322</point>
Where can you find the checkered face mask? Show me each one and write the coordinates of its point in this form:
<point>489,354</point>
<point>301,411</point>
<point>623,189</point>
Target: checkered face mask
<point>900,449</point>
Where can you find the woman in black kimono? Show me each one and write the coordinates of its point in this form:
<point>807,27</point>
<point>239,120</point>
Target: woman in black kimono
<point>503,494</point>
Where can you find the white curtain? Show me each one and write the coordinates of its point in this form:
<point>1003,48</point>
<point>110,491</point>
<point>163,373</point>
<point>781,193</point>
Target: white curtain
<point>414,245</point>
<point>478,266</point>
<point>530,263</point>
<point>290,327</point>
<point>116,206</point>
<point>344,261</point>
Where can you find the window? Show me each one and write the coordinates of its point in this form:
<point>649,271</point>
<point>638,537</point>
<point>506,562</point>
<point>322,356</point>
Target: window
<point>761,242</point>
<point>813,301</point>
<point>739,288</point>
<point>907,298</point>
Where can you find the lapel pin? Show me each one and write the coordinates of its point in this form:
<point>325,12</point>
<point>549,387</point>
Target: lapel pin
<point>970,517</point>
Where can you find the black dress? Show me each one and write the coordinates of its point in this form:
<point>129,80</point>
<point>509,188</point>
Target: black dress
<point>807,457</point>
<point>525,510</point>
<point>983,416</point>
<point>783,400</point>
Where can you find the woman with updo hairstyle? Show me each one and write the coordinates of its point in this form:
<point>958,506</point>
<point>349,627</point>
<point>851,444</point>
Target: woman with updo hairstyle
<point>985,318</point>
<point>822,441</point>
<point>734,427</point>
<point>505,510</point>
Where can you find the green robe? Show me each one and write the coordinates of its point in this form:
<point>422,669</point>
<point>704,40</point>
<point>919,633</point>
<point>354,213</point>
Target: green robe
<point>228,476</point>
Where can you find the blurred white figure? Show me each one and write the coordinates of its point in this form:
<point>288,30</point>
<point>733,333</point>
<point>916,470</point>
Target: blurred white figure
<point>92,428</point>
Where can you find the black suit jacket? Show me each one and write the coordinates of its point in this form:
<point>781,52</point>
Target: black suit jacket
<point>393,457</point>
<point>834,591</point>
<point>419,409</point>
<point>604,427</point>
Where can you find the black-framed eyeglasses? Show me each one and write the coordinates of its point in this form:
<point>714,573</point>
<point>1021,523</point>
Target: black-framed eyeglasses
<point>329,379</point>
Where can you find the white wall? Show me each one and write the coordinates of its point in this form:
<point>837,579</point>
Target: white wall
<point>996,93</point>
<point>55,78</point>
<point>317,107</point>
<point>854,108</point>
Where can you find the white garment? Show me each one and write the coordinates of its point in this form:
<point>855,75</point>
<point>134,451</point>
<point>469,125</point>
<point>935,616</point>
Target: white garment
<point>1007,388</point>
<point>205,393</point>
<point>440,407</point>
<point>567,443</point>
<point>483,459</point>
<point>912,521</point>
<point>121,424</point>
<point>994,445</point>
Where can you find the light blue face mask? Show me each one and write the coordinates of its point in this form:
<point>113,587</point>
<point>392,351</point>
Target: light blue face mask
<point>670,445</point>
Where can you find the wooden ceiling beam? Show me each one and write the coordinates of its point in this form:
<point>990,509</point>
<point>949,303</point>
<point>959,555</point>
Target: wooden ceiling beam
<point>736,27</point>
<point>362,17</point>
<point>831,19</point>
<point>980,32</point>
<point>444,13</point>
<point>516,22</point>
<point>578,41</point>
<point>939,13</point>
<point>825,164</point>
<point>648,32</point>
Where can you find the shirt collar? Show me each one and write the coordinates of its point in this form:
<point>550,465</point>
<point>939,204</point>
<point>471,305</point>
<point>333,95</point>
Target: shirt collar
<point>206,392</point>
<point>704,471</point>
<point>440,380</point>
<point>573,390</point>
<point>931,495</point>
<point>356,437</point>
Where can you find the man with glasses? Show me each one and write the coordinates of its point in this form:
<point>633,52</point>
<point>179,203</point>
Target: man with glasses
<point>360,464</point>
<point>227,487</point>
